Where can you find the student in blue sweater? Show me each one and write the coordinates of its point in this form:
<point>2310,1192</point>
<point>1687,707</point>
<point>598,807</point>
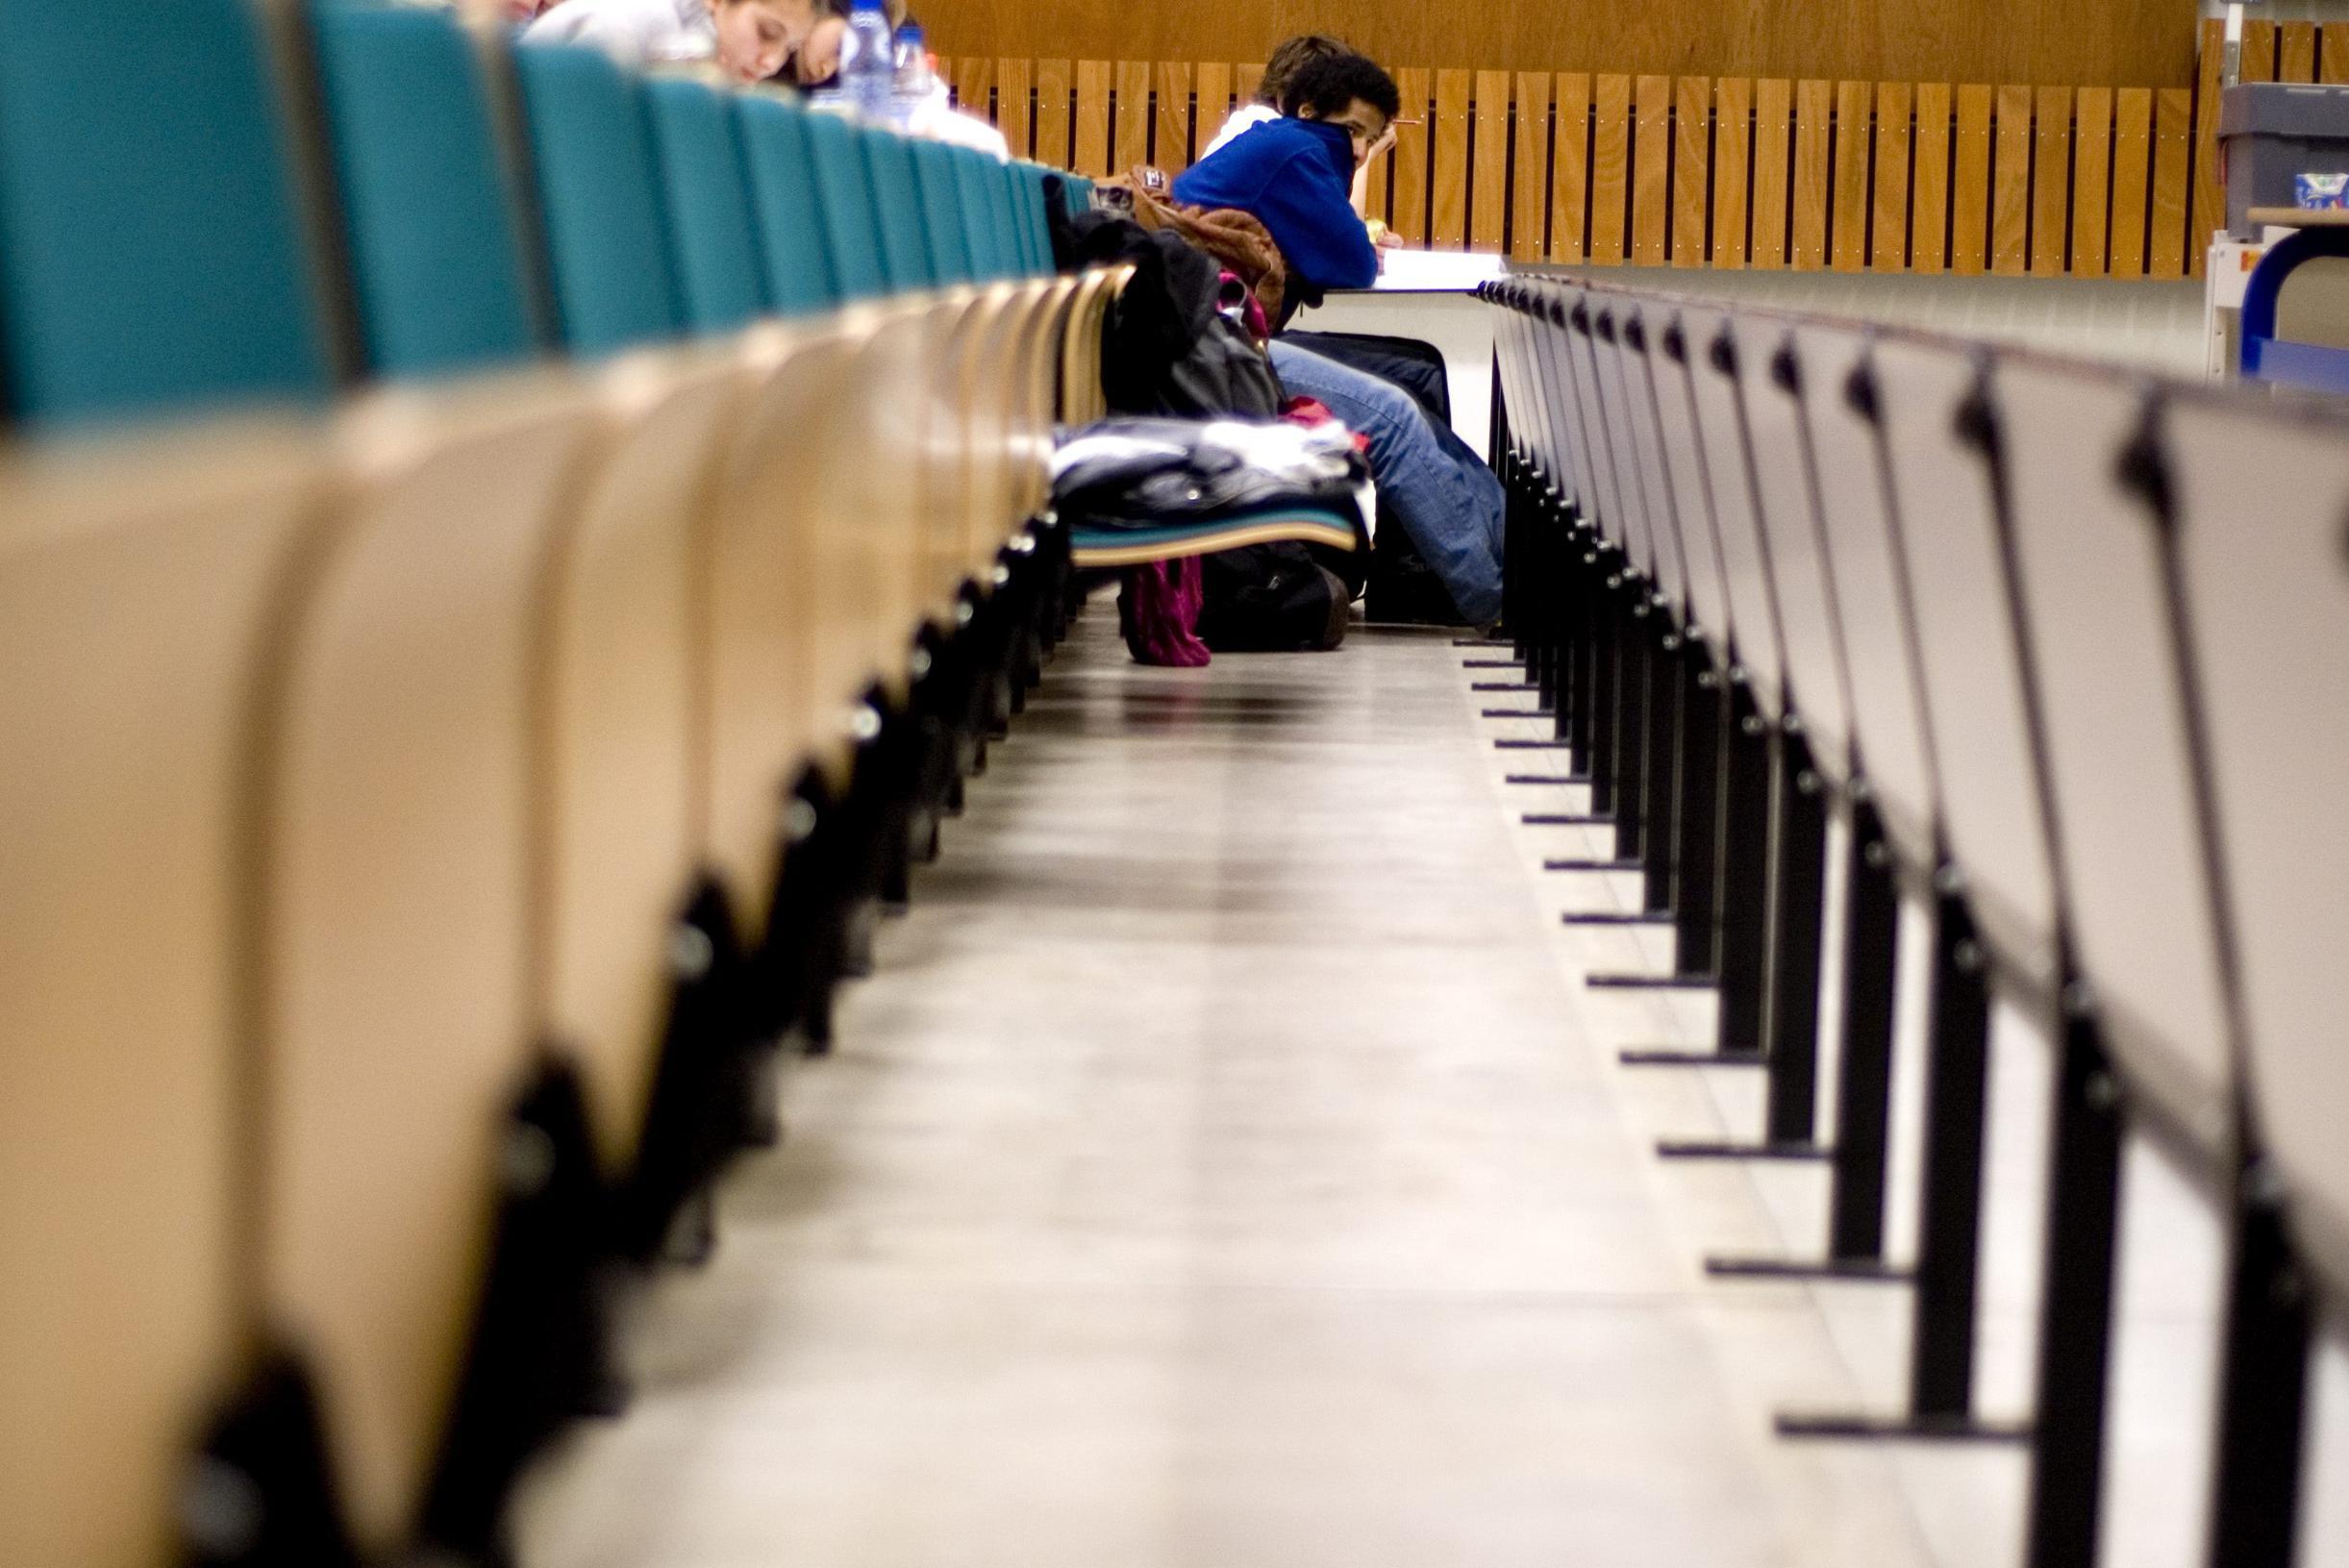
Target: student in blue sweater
<point>1295,175</point>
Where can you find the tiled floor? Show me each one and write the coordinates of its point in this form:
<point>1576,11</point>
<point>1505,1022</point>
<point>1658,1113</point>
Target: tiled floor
<point>1227,1168</point>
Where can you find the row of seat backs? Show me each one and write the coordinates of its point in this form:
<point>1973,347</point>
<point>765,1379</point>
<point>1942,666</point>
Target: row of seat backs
<point>227,621</point>
<point>483,205</point>
<point>2059,619</point>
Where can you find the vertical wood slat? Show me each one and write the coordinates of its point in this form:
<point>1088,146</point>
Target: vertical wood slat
<point>1571,169</point>
<point>1529,208</point>
<point>2259,49</point>
<point>1171,147</point>
<point>1052,111</point>
<point>1130,110</point>
<point>1448,217</point>
<point>2297,52</point>
<point>1015,115</point>
<point>974,85</point>
<point>2092,184</point>
<point>1610,132</point>
<point>1089,154</point>
<point>1889,241</point>
<point>1410,157</point>
<point>2173,156</point>
<point>2333,52</point>
<point>1488,164</point>
<point>1970,198</point>
<point>2131,178</point>
<point>1692,153</point>
<point>2051,180</point>
<point>1928,196</point>
<point>1246,78</point>
<point>2011,184</point>
<point>1773,125</point>
<point>1213,85</point>
<point>1849,148</point>
<point>1814,106</point>
<point>2209,202</point>
<point>1733,168</point>
<point>1651,170</point>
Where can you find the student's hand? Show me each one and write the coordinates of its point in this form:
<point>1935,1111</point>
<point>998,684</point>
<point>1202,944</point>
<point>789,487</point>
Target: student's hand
<point>1386,143</point>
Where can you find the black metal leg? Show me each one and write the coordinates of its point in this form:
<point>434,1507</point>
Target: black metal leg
<point>2255,1510</point>
<point>1745,878</point>
<point>1587,680</point>
<point>1863,1078</point>
<point>1607,647</point>
<point>1796,932</point>
<point>1941,1341</point>
<point>1661,769</point>
<point>2075,1303</point>
<point>1696,878</point>
<point>1631,723</point>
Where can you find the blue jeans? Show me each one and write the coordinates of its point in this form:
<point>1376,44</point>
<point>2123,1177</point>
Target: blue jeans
<point>1446,499</point>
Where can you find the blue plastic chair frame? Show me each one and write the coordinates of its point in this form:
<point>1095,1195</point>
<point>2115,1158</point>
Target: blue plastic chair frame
<point>2265,357</point>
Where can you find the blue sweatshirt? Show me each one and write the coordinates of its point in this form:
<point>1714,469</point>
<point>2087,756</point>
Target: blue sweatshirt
<point>1297,178</point>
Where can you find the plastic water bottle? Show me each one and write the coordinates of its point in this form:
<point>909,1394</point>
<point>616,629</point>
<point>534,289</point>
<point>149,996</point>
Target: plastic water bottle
<point>868,66</point>
<point>913,81</point>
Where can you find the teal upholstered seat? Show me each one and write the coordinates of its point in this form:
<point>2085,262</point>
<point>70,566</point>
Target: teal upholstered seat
<point>152,256</point>
<point>428,219</point>
<point>792,239</point>
<point>844,189</point>
<point>974,185</point>
<point>599,198</point>
<point>941,202</point>
<point>896,193</point>
<point>714,234</point>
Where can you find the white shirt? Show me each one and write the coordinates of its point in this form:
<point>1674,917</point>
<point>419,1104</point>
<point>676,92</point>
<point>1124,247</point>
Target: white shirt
<point>1246,118</point>
<point>634,32</point>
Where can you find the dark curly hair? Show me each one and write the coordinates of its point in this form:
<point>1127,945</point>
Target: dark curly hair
<point>1326,87</point>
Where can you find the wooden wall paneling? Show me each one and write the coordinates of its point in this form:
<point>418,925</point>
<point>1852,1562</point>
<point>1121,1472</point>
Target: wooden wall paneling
<point>1052,112</point>
<point>1652,171</point>
<point>1247,77</point>
<point>2131,178</point>
<point>1571,169</point>
<point>1929,186</point>
<point>1130,115</point>
<point>946,79</point>
<point>2051,183</point>
<point>1089,154</point>
<point>1691,167</point>
<point>1529,206</point>
<point>2011,183</point>
<point>1410,156</point>
<point>1850,147</point>
<point>2173,155</point>
<point>1488,164</point>
<point>974,85</point>
<point>1015,112</point>
<point>1773,193</point>
<point>1969,197</point>
<point>2259,50</point>
<point>1733,168</point>
<point>2207,198</point>
<point>2143,42</point>
<point>2297,52</point>
<point>1448,219</point>
<point>1211,81</point>
<point>1888,239</point>
<point>2092,183</point>
<point>2333,52</point>
<point>1610,136</point>
<point>1814,108</point>
<point>1170,146</point>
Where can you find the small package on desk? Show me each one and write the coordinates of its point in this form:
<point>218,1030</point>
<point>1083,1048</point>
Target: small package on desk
<point>2321,192</point>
